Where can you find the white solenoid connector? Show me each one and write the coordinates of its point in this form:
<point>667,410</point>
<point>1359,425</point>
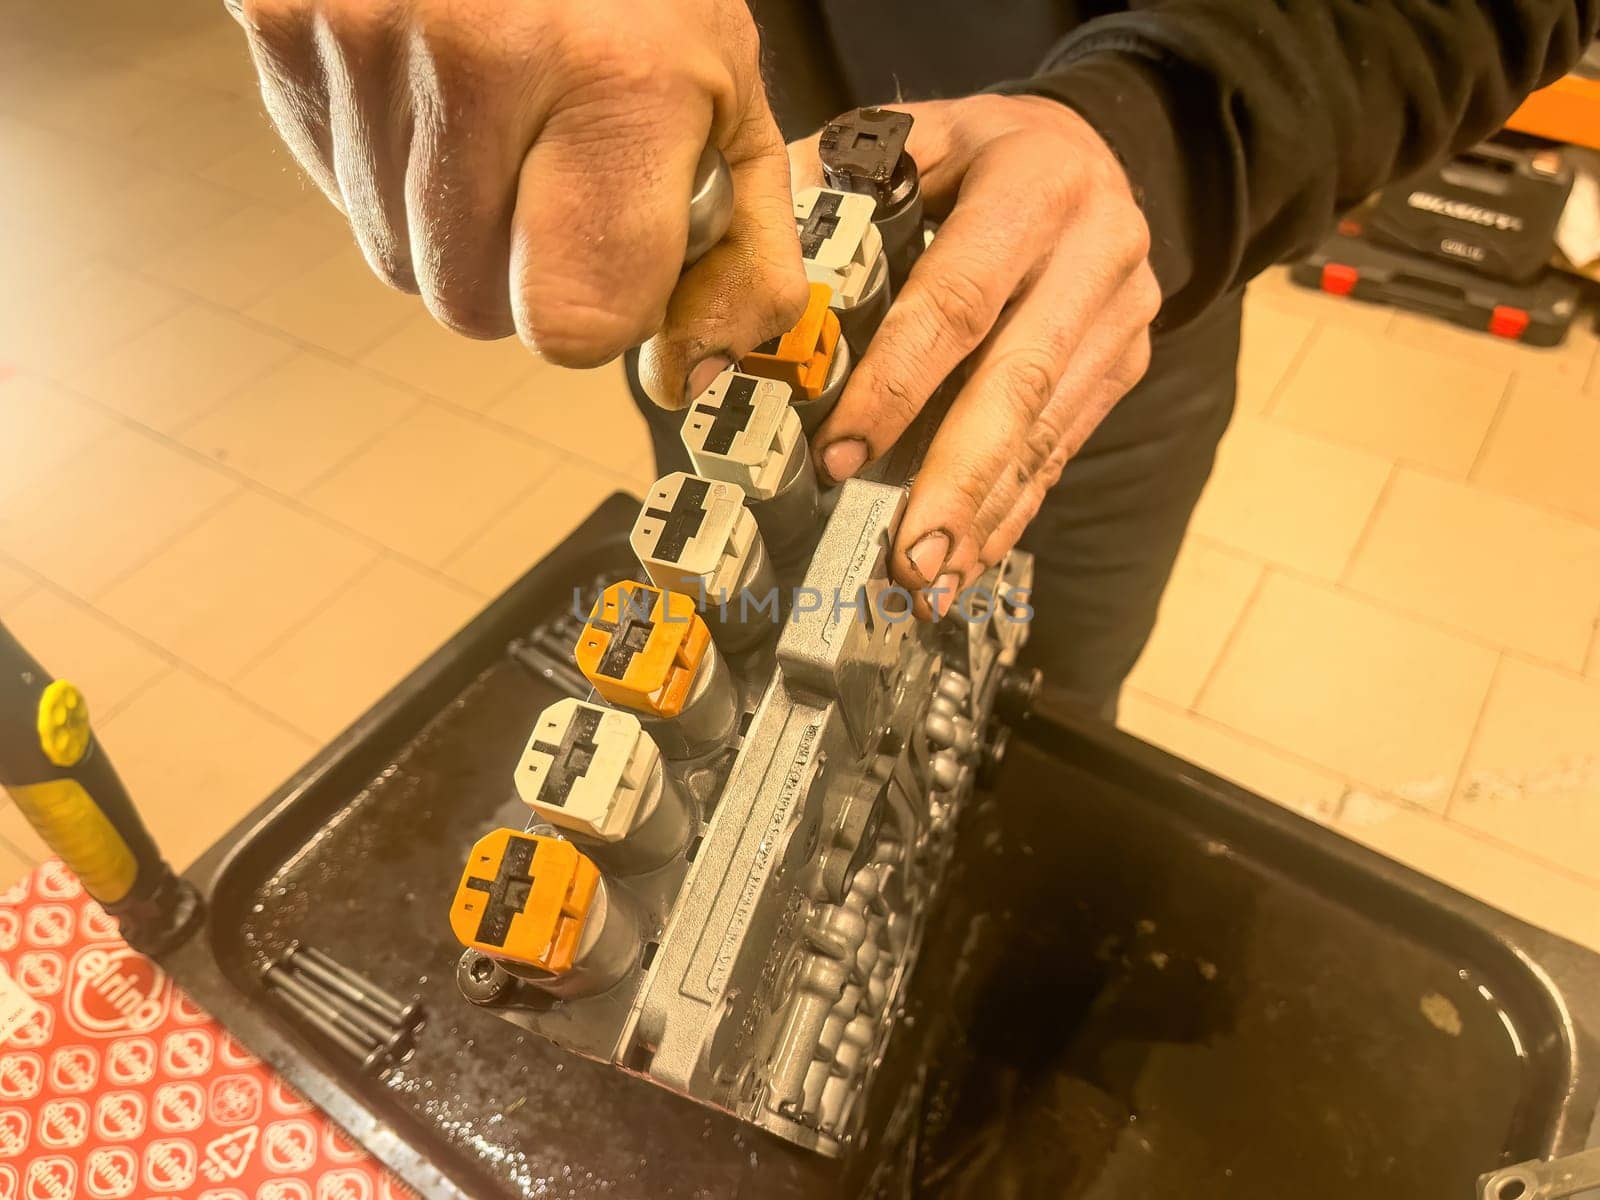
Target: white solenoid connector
<point>595,773</point>
<point>743,430</point>
<point>839,244</point>
<point>695,536</point>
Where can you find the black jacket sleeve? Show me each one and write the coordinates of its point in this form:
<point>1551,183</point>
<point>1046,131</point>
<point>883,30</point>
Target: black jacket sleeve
<point>1247,126</point>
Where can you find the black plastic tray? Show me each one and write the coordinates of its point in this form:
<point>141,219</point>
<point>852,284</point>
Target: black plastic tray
<point>1143,982</point>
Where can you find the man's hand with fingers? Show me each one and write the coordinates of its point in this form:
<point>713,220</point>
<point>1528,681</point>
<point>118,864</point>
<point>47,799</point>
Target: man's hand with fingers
<point>1039,273</point>
<point>526,165</point>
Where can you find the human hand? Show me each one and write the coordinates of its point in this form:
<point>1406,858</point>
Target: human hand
<point>526,165</point>
<point>1038,272</point>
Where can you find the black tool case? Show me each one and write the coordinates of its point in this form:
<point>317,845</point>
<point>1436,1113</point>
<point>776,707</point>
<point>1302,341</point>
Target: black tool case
<point>1492,209</point>
<point>1142,982</point>
<point>1537,313</point>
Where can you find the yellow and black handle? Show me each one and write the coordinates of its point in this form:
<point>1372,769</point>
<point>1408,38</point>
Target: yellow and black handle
<point>65,786</point>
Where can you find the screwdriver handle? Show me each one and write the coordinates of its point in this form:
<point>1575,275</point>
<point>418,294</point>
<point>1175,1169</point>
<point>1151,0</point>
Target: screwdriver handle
<point>63,783</point>
<point>710,204</point>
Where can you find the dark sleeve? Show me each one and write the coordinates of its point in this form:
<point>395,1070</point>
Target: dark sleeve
<point>1247,126</point>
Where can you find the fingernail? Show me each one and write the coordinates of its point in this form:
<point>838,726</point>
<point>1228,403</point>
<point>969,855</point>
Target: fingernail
<point>844,458</point>
<point>706,370</point>
<point>947,587</point>
<point>928,555</point>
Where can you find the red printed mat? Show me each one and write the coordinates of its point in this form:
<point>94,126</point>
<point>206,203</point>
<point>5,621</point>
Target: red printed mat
<point>115,1084</point>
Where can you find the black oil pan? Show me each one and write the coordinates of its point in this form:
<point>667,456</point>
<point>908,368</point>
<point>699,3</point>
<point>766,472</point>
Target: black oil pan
<point>1142,982</point>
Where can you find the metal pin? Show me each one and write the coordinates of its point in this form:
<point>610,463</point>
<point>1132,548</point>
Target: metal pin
<point>368,1055</point>
<point>357,987</point>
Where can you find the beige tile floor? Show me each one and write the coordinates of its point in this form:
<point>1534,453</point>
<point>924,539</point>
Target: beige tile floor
<point>243,489</point>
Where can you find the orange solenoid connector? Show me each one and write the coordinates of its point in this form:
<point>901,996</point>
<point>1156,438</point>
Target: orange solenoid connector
<point>642,646</point>
<point>801,358</point>
<point>525,898</point>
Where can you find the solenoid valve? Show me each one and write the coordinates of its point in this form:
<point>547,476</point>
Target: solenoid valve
<point>811,358</point>
<point>743,430</point>
<point>839,245</point>
<point>695,536</point>
<point>541,909</point>
<point>594,772</point>
<point>648,650</point>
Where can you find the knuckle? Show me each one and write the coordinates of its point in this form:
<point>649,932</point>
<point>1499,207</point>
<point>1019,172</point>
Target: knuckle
<point>1136,238</point>
<point>276,22</point>
<point>1030,380</point>
<point>962,305</point>
<point>895,399</point>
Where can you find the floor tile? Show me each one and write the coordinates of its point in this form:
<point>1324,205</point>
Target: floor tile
<point>213,129</point>
<point>431,483</point>
<point>73,641</point>
<point>14,585</point>
<point>154,211</point>
<point>1360,691</point>
<point>1476,865</point>
<point>78,318</point>
<point>1532,777</point>
<point>1516,575</point>
<point>268,176</point>
<point>224,592</point>
<point>519,537</point>
<point>1306,789</point>
<point>196,759</point>
<point>240,260</point>
<point>1273,286</point>
<point>587,413</point>
<point>181,368</point>
<point>104,103</point>
<point>1402,403</point>
<point>1543,449</point>
<point>21,850</point>
<point>338,304</point>
<point>463,371</point>
<point>1203,602</point>
<point>333,667</point>
<point>107,510</point>
<point>1566,365</point>
<point>298,421</point>
<point>1273,337</point>
<point>1289,498</point>
<point>42,427</point>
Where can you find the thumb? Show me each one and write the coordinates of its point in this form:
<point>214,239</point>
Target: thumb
<point>745,290</point>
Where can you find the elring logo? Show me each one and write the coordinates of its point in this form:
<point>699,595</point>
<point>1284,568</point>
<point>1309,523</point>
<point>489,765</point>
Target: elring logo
<point>48,925</point>
<point>55,882</point>
<point>119,1116</point>
<point>64,1123</point>
<point>186,1053</point>
<point>115,990</point>
<point>288,1146</point>
<point>54,1177</point>
<point>131,1060</point>
<point>74,1068</point>
<point>110,1173</point>
<point>344,1185</point>
<point>14,1126</point>
<point>98,925</point>
<point>21,1075</point>
<point>40,972</point>
<point>169,1164</point>
<point>179,1107</point>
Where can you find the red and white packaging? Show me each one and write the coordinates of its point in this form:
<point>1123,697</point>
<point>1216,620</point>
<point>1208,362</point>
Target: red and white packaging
<point>114,1085</point>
